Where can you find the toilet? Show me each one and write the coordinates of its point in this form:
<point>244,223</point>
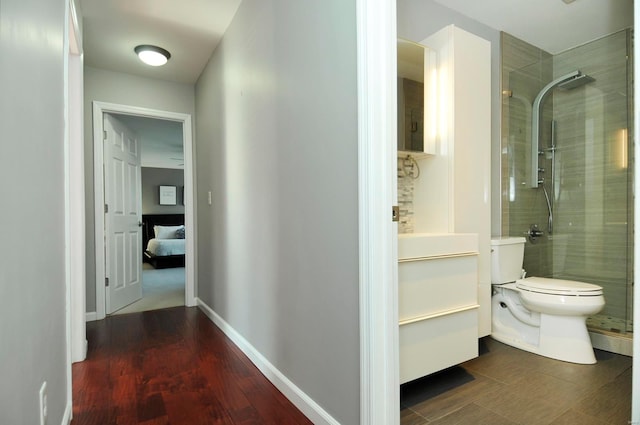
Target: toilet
<point>540,315</point>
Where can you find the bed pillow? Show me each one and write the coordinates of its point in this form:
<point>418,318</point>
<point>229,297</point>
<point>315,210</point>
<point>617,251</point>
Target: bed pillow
<point>166,232</point>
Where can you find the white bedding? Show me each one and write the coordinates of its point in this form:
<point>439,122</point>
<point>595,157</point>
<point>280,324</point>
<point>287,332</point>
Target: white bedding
<point>163,247</point>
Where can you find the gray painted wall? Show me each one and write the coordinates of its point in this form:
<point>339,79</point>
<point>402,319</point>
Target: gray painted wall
<point>277,146</point>
<point>124,89</point>
<point>32,270</point>
<point>418,19</point>
<point>152,178</point>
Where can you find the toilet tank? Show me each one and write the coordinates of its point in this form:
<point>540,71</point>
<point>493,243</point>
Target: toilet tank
<point>506,259</point>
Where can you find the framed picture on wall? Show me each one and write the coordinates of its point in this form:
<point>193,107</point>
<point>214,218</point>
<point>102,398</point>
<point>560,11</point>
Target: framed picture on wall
<point>167,195</point>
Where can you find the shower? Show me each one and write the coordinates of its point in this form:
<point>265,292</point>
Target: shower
<point>569,81</point>
<point>566,130</point>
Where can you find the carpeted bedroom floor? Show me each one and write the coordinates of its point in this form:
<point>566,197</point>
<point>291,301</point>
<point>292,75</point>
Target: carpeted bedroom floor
<point>161,288</point>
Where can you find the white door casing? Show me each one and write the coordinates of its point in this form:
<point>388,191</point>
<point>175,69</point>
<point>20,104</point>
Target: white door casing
<point>123,216</point>
<point>99,109</point>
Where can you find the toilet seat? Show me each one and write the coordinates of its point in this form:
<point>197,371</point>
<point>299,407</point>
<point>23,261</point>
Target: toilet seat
<point>567,288</point>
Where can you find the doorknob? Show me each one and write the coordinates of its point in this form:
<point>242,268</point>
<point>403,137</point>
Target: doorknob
<point>139,224</point>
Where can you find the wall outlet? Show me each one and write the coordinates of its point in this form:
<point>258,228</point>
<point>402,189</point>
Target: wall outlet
<point>43,403</point>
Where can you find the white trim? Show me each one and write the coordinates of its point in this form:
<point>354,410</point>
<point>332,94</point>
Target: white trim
<point>91,316</point>
<point>299,398</point>
<point>76,343</point>
<point>378,237</point>
<point>68,251</point>
<point>635,401</point>
<point>77,189</point>
<point>66,418</point>
<point>99,108</point>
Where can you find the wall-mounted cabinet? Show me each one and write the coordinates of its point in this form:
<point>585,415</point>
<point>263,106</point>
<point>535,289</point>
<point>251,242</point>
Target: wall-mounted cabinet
<point>453,193</point>
<point>438,302</point>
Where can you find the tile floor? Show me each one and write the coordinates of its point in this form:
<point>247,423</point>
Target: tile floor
<point>506,386</point>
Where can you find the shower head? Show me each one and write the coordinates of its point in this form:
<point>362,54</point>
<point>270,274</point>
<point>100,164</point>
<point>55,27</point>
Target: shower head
<point>577,81</point>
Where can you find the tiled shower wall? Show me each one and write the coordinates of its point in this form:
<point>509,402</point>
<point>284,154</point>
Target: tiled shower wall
<point>591,239</point>
<point>525,70</point>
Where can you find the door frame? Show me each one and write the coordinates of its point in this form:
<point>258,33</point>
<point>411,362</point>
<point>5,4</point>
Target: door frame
<point>99,109</point>
<point>635,402</point>
<point>377,192</point>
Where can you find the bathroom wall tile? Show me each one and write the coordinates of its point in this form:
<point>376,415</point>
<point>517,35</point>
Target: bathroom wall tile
<point>406,170</point>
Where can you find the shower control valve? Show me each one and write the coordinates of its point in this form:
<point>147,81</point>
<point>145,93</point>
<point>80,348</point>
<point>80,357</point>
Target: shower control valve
<point>534,233</point>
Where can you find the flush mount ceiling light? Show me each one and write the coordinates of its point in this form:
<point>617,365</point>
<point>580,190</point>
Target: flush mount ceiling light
<point>152,55</point>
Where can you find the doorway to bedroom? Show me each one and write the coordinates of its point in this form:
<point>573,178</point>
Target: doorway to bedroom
<point>151,263</point>
<point>162,209</point>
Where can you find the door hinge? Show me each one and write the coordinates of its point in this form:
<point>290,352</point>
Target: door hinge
<point>105,134</point>
<point>395,213</point>
<point>106,208</point>
<point>106,281</point>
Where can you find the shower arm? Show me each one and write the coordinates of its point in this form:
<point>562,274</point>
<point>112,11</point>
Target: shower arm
<point>535,124</point>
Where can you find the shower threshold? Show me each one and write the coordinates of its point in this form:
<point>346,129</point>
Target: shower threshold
<point>614,342</point>
<point>609,324</point>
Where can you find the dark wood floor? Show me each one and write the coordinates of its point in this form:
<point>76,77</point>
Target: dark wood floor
<point>171,366</point>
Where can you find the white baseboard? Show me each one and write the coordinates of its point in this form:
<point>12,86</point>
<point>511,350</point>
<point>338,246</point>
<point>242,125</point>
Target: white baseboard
<point>91,316</point>
<point>302,401</point>
<point>66,419</point>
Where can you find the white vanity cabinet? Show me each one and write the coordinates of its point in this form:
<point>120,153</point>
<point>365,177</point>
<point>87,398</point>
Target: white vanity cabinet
<point>438,302</point>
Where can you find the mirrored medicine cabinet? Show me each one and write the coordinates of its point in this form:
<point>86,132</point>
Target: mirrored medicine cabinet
<point>414,60</point>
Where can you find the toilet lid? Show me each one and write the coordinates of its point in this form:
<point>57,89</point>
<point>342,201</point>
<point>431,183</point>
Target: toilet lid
<point>558,287</point>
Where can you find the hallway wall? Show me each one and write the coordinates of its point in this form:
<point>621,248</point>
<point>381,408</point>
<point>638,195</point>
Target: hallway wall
<point>32,187</point>
<point>125,89</point>
<point>277,146</point>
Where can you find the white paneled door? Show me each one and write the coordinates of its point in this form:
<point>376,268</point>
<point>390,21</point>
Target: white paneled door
<point>123,217</point>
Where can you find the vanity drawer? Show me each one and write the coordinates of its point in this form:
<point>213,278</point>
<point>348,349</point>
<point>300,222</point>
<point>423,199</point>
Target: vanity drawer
<point>430,345</point>
<point>436,284</point>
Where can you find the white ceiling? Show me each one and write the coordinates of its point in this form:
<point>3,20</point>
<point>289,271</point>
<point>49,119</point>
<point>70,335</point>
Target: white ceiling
<point>551,25</point>
<point>189,29</point>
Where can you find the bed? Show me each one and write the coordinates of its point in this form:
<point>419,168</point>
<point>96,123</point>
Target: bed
<point>163,240</point>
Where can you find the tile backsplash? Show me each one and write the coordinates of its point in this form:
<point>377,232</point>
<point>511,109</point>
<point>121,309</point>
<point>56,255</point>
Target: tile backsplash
<point>406,172</point>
